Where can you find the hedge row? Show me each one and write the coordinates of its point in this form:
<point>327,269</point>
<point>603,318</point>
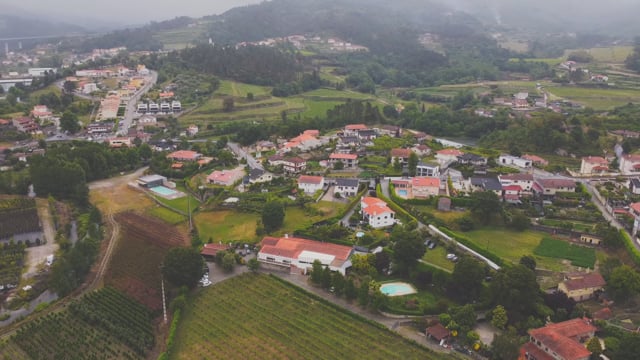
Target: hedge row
<point>628,243</point>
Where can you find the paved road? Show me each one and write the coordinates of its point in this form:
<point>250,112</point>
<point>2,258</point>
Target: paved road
<point>240,152</point>
<point>131,108</point>
<point>38,254</point>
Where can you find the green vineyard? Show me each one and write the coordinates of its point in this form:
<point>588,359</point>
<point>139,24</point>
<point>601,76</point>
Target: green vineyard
<point>259,317</point>
<point>102,325</point>
<point>11,262</point>
<point>18,216</point>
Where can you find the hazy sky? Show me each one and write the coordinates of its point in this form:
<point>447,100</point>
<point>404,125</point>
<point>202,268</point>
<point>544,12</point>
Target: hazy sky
<point>119,11</point>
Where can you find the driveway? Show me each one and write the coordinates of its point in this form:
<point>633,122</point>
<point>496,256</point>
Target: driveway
<point>37,255</point>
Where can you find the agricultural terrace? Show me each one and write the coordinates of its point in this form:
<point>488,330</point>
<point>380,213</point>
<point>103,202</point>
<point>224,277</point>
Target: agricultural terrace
<point>18,216</point>
<point>260,316</point>
<point>597,98</point>
<point>102,325</point>
<point>135,263</point>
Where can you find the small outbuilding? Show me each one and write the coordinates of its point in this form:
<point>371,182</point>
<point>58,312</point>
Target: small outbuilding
<point>438,332</point>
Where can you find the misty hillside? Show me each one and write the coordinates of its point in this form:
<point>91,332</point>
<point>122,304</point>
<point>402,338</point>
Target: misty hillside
<point>15,26</point>
<point>589,16</point>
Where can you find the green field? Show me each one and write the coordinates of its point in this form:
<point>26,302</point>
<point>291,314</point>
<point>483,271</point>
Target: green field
<point>258,316</point>
<point>237,89</point>
<point>512,245</point>
<point>612,54</point>
<point>166,215</point>
<point>227,226</point>
<point>579,255</point>
<point>437,257</point>
<point>597,98</point>
<point>339,94</point>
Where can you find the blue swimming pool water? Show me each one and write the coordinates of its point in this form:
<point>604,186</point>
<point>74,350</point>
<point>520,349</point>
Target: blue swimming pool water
<point>396,288</point>
<point>164,191</point>
<point>402,192</point>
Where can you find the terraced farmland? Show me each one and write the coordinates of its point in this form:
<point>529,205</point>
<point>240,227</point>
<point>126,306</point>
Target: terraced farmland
<point>258,316</point>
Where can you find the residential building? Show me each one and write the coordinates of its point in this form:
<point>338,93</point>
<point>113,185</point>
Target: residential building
<point>458,182</point>
<point>349,161</point>
<point>403,188</point>
<point>560,341</point>
<point>581,287</point>
<point>292,252</point>
<point>151,181</point>
<point>346,187</point>
<point>425,187</point>
<point>302,142</point>
<point>89,88</point>
<point>192,130</point>
<point>367,135</point>
<point>427,169</point>
<point>549,187</point>
<point>100,128</point>
<point>594,165</point>
<point>390,130</point>
<point>486,184</point>
<point>629,164</point>
<point>353,129</point>
<point>448,156</point>
<point>525,181</point>
<point>310,184</point>
<point>634,185</point>
<point>535,160</point>
<point>41,112</point>
<point>472,159</point>
<point>520,100</point>
<point>209,251</point>
<point>118,142</point>
<point>226,177</point>
<point>401,156</point>
<point>421,150</point>
<point>376,213</point>
<point>262,146</point>
<point>508,160</point>
<point>511,193</point>
<point>184,155</point>
<point>257,176</point>
<point>590,239</point>
<point>294,165</point>
<point>634,209</point>
<point>26,125</point>
<point>176,106</point>
<point>39,72</point>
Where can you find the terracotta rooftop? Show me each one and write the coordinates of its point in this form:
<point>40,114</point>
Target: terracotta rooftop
<point>556,183</point>
<point>517,177</point>
<point>403,153</point>
<point>377,210</point>
<point>438,332</point>
<point>425,181</point>
<point>595,160</point>
<point>586,281</point>
<point>356,127</point>
<point>453,152</point>
<point>371,201</point>
<point>343,156</point>
<point>213,249</point>
<point>308,179</point>
<point>565,338</point>
<point>292,247</point>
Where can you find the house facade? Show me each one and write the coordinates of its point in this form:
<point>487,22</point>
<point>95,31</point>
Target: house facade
<point>425,187</point>
<point>184,155</point>
<point>594,165</point>
<point>292,252</point>
<point>509,160</point>
<point>565,340</point>
<point>346,187</point>
<point>401,156</point>
<point>581,287</point>
<point>350,161</point>
<point>525,181</point>
<point>447,156</point>
<point>427,169</point>
<point>310,184</point>
<point>535,160</point>
<point>629,164</point>
<point>376,213</point>
<point>549,187</point>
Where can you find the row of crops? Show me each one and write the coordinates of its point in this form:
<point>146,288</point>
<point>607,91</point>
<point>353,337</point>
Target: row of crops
<point>18,216</point>
<point>7,205</point>
<point>257,316</point>
<point>12,258</point>
<point>102,325</point>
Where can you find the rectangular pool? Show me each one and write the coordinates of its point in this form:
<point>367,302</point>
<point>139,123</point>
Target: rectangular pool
<point>163,191</point>
<point>402,193</point>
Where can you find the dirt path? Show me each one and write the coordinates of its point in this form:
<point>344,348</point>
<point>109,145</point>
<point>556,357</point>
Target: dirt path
<point>38,254</point>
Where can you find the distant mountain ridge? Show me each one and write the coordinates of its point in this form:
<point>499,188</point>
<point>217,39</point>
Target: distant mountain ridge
<point>12,26</point>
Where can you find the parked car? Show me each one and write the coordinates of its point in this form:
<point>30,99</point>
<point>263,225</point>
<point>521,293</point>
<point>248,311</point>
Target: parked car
<point>432,245</point>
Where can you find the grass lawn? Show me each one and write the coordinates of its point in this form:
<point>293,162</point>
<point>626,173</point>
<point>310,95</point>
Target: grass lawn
<point>119,198</point>
<point>296,218</point>
<point>579,255</point>
<point>166,215</point>
<point>438,257</point>
<point>237,89</point>
<point>181,204</point>
<point>448,217</point>
<point>512,245</point>
<point>341,94</point>
<point>257,316</point>
<point>227,226</point>
<point>612,54</point>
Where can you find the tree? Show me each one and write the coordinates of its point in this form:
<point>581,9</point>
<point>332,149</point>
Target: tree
<point>413,163</point>
<point>350,291</point>
<point>520,222</point>
<point>253,264</point>
<point>69,87</point>
<point>316,272</point>
<point>363,294</point>
<point>499,317</point>
<point>485,204</point>
<point>516,289</point>
<point>595,347</point>
<point>228,261</point>
<point>338,283</point>
<point>407,249</point>
<point>465,316</point>
<point>528,261</point>
<point>326,278</point>
<point>250,96</point>
<point>183,266</point>
<point>472,337</point>
<point>273,215</point>
<point>505,346</point>
<point>339,165</point>
<point>466,280</point>
<point>228,104</point>
<point>629,348</point>
<point>624,283</point>
<point>69,122</point>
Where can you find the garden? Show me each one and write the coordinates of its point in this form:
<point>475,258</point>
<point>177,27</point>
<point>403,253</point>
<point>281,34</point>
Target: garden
<point>579,255</point>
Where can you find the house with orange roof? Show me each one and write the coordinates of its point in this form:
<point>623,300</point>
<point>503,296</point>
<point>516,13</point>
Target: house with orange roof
<point>184,155</point>
<point>350,161</point>
<point>226,177</point>
<point>630,164</point>
<point>353,129</point>
<point>594,165</point>
<point>581,287</point>
<point>401,156</point>
<point>310,184</point>
<point>564,340</point>
<point>448,156</point>
<point>42,112</point>
<point>425,187</point>
<point>376,213</point>
<point>535,160</point>
<point>299,253</point>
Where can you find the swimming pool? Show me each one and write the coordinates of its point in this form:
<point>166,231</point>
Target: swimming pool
<point>397,289</point>
<point>164,191</point>
<point>402,193</point>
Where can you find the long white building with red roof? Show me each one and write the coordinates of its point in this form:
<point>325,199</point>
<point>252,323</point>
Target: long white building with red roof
<point>292,252</point>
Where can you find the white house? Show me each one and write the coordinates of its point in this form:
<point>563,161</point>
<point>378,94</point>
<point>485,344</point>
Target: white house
<point>376,213</point>
<point>525,181</point>
<point>259,176</point>
<point>593,165</point>
<point>426,169</point>
<point>448,156</point>
<point>291,252</point>
<point>346,187</point>
<point>508,160</point>
<point>629,164</point>
<point>310,184</point>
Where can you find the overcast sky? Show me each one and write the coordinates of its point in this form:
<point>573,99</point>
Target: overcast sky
<point>118,11</point>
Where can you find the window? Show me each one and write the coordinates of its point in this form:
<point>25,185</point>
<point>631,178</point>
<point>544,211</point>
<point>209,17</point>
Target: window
<point>270,258</point>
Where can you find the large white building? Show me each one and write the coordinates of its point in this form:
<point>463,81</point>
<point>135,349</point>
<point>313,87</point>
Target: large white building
<point>514,161</point>
<point>376,213</point>
<point>629,164</point>
<point>291,252</point>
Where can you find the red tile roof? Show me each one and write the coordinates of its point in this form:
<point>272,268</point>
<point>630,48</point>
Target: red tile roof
<point>556,183</point>
<point>183,155</point>
<point>291,247</point>
<point>438,332</point>
<point>534,158</point>
<point>402,153</point>
<point>356,127</point>
<point>452,152</point>
<point>425,182</point>
<point>534,352</point>
<point>565,338</point>
<point>603,314</point>
<point>295,160</point>
<point>595,160</point>
<point>587,281</point>
<point>635,207</point>
<point>512,188</point>
<point>336,156</point>
<point>376,210</point>
<point>308,179</point>
<point>371,201</point>
<point>213,249</point>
